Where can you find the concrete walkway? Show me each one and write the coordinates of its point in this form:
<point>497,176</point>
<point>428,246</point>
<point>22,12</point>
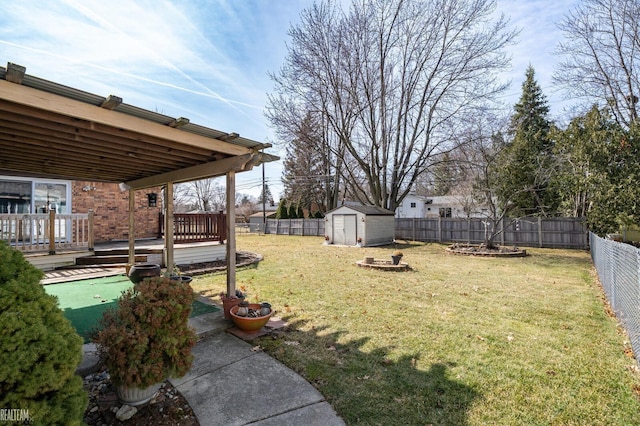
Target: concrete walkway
<point>230,383</point>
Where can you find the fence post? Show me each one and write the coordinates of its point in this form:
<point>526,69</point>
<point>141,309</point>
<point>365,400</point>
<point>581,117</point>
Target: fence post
<point>414,228</point>
<point>502,231</point>
<point>540,231</point>
<point>611,260</point>
<point>439,229</point>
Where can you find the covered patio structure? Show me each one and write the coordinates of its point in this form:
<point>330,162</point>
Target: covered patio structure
<point>48,130</point>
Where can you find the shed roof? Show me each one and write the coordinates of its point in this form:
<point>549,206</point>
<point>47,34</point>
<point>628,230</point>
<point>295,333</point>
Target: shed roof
<point>368,210</point>
<point>48,130</point>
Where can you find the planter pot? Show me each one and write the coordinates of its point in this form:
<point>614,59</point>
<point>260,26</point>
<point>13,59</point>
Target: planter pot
<point>182,278</point>
<point>249,324</point>
<point>136,396</point>
<point>227,304</point>
<point>396,259</point>
<point>144,270</point>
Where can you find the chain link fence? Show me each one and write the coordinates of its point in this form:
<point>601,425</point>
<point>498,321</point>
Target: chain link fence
<point>618,267</point>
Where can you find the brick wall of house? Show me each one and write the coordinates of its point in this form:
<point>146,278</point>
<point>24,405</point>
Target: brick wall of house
<point>111,210</point>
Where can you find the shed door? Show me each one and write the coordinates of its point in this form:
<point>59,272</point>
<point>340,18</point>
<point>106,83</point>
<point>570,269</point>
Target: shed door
<point>344,229</point>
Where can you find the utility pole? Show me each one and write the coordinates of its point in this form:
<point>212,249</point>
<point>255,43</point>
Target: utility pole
<point>264,202</point>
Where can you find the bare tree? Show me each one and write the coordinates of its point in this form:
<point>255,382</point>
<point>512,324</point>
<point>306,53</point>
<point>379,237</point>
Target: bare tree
<point>602,55</point>
<point>389,81</point>
<point>207,194</point>
<point>246,205</point>
<point>182,201</point>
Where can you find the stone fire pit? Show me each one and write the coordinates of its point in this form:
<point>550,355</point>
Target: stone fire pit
<point>385,265</point>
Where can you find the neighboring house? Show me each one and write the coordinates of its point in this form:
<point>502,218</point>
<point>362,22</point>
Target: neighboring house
<point>110,205</point>
<point>459,207</point>
<point>256,220</point>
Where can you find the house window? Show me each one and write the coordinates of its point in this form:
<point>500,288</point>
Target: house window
<point>445,211</point>
<point>413,205</point>
<point>25,196</point>
<point>50,196</point>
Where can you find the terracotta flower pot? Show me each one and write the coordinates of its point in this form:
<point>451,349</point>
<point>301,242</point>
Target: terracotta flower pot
<point>249,324</point>
<point>227,304</point>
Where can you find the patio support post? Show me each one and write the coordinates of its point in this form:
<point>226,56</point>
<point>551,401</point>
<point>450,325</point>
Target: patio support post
<point>231,233</point>
<point>90,225</point>
<point>52,231</point>
<point>132,227</point>
<point>168,226</point>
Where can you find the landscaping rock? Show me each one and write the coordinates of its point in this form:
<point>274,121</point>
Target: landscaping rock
<point>126,412</point>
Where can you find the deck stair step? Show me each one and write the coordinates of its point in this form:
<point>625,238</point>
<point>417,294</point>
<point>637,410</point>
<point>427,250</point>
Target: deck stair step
<point>109,259</point>
<point>125,252</point>
<point>120,257</point>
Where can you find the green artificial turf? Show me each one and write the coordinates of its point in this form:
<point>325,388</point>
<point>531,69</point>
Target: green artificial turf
<point>84,301</point>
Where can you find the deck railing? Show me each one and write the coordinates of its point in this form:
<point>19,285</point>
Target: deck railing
<point>47,231</point>
<point>196,227</point>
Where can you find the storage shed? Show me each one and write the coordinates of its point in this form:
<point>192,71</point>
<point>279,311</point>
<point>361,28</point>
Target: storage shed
<point>346,224</point>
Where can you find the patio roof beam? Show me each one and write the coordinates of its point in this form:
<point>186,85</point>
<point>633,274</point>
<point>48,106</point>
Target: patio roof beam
<point>57,104</point>
<point>240,163</point>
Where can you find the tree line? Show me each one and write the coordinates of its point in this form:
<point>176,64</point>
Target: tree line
<point>382,98</point>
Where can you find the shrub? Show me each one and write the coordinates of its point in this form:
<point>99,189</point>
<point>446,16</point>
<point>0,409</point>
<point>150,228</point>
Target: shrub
<point>147,339</point>
<point>282,212</point>
<point>39,348</point>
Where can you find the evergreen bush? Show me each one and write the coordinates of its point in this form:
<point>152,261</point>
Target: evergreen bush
<point>283,209</point>
<point>147,339</point>
<point>39,348</point>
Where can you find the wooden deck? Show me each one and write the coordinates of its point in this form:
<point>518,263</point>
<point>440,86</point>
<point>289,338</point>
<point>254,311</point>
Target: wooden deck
<point>187,253</point>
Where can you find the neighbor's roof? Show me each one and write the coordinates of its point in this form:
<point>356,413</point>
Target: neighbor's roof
<point>48,130</point>
<point>266,213</point>
<point>368,210</point>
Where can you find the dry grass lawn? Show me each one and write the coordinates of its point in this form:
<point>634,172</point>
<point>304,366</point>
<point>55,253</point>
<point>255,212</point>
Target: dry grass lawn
<point>455,341</point>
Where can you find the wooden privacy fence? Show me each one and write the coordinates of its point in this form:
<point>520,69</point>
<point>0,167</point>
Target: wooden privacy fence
<point>196,227</point>
<point>47,231</point>
<point>556,232</point>
<point>306,227</point>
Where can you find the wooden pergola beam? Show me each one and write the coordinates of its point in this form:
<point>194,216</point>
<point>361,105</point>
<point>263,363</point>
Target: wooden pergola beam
<point>57,104</point>
<point>239,163</point>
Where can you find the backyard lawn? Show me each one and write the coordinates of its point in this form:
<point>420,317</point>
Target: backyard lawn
<point>457,340</point>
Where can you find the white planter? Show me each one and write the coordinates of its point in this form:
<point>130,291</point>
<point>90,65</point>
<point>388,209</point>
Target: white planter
<point>136,396</point>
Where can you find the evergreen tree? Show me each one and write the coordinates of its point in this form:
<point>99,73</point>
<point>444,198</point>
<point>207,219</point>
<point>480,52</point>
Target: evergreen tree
<point>303,174</point>
<point>525,163</point>
<point>599,171</point>
<point>283,209</point>
<point>265,196</point>
<point>293,211</point>
<point>444,176</point>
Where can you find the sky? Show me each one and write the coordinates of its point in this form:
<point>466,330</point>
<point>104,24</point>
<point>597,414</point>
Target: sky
<point>209,60</point>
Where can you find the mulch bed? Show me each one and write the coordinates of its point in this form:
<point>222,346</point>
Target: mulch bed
<point>243,258</point>
<point>483,250</point>
<point>167,408</point>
